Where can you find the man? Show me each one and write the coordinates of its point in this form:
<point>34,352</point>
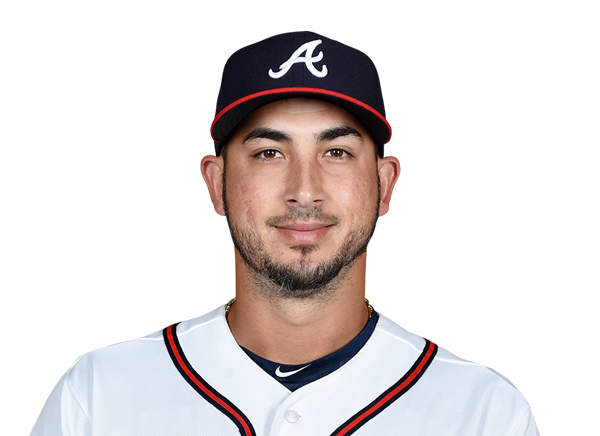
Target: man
<point>301,177</point>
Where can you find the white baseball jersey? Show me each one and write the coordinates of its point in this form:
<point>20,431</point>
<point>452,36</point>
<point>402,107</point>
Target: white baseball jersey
<point>194,379</point>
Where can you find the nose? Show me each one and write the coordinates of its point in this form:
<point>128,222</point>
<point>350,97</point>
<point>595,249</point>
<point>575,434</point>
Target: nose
<point>304,184</point>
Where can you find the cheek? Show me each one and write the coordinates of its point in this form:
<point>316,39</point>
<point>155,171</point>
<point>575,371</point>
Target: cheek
<point>358,194</point>
<point>248,198</point>
<point>245,193</point>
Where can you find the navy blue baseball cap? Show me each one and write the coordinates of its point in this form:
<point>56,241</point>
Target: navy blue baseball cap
<point>299,64</point>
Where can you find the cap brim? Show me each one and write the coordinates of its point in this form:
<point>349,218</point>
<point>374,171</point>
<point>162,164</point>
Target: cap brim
<point>230,117</point>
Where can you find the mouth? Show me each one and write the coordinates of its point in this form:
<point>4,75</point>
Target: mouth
<point>304,233</point>
<point>304,226</point>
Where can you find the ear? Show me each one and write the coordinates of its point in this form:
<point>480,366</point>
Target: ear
<point>212,171</point>
<point>389,171</point>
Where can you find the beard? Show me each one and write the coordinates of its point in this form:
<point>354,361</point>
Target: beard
<point>302,278</point>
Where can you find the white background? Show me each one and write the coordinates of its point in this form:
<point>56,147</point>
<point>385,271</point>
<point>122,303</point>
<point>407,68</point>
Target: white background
<point>570,164</point>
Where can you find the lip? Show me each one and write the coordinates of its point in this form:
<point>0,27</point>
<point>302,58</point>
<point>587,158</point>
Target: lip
<point>304,233</point>
<point>304,226</point>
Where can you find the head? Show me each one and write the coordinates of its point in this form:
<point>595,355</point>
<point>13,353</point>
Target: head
<point>302,185</point>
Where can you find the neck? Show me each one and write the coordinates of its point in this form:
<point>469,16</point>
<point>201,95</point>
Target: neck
<point>294,331</point>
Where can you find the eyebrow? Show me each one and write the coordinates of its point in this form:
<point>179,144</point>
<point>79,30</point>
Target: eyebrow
<point>338,132</point>
<point>279,136</point>
<point>267,133</point>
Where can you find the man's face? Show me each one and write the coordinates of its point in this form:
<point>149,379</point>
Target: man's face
<point>301,194</point>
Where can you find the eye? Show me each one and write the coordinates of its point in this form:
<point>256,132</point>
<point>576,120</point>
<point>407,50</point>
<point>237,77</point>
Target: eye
<point>337,153</point>
<point>268,154</point>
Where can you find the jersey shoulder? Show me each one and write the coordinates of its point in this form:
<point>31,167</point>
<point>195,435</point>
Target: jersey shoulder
<point>124,365</point>
<point>132,386</point>
<point>447,362</point>
<point>454,389</point>
<point>132,351</point>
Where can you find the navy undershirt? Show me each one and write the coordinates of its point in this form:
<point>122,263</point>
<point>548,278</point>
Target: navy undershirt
<point>317,368</point>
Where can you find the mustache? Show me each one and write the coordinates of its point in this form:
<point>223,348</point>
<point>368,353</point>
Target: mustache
<point>296,214</point>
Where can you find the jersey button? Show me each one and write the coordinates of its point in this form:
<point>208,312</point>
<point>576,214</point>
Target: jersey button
<point>292,416</point>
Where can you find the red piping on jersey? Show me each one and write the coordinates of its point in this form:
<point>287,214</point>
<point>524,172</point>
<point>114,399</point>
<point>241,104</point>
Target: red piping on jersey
<point>383,401</point>
<point>299,89</point>
<point>204,389</point>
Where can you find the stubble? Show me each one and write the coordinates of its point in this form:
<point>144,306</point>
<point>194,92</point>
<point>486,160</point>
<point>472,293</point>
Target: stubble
<point>303,278</point>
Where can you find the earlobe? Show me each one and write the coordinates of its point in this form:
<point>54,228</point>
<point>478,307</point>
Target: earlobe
<point>389,171</point>
<point>212,172</point>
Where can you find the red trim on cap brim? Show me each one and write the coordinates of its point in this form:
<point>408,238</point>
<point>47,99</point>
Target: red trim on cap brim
<point>299,90</point>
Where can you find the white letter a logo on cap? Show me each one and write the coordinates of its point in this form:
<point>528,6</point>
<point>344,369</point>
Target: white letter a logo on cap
<point>308,60</point>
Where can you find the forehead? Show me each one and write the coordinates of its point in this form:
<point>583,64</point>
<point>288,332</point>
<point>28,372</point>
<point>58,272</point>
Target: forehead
<point>300,116</point>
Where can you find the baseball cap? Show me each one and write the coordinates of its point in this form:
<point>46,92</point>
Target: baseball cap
<point>299,64</point>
